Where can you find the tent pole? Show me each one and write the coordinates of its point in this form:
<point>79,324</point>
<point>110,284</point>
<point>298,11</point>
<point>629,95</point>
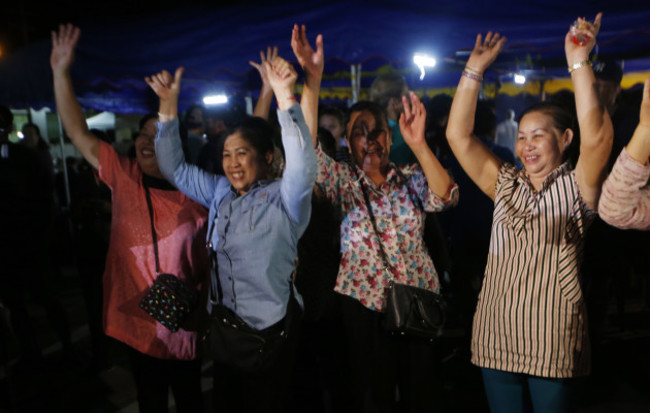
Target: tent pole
<point>355,78</point>
<point>66,180</point>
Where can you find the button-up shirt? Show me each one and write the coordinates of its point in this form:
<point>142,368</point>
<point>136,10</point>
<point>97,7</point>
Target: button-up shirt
<point>399,206</point>
<point>256,234</point>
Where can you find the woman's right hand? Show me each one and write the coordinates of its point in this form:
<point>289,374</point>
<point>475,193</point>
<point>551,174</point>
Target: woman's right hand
<point>485,52</point>
<point>63,44</point>
<point>282,77</point>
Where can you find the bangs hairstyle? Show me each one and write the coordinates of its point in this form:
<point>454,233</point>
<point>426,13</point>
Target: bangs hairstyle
<point>374,108</point>
<point>257,132</point>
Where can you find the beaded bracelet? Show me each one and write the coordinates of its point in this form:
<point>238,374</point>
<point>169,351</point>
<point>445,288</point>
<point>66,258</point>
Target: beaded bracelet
<point>472,76</point>
<point>578,65</point>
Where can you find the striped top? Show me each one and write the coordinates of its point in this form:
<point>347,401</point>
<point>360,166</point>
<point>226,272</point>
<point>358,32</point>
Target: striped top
<point>625,200</point>
<point>531,315</point>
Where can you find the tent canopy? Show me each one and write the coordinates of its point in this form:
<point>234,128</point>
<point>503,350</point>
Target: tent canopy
<point>215,45</point>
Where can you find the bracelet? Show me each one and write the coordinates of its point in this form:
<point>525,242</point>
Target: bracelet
<point>292,98</point>
<point>578,65</point>
<point>472,76</point>
<point>472,70</point>
<point>165,118</point>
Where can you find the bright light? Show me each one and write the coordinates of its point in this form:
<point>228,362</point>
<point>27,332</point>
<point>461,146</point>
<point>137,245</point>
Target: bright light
<point>421,61</point>
<point>520,79</point>
<point>215,100</point>
<point>20,135</point>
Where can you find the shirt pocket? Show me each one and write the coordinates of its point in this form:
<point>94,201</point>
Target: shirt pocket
<point>254,218</point>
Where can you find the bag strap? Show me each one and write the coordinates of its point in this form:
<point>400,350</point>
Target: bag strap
<point>215,280</point>
<point>153,228</point>
<point>384,256</point>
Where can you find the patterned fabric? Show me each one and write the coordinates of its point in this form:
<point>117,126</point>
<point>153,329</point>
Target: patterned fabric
<point>399,206</point>
<point>531,314</point>
<point>625,200</point>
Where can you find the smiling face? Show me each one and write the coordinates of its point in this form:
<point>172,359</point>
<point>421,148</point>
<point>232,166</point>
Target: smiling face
<point>242,163</point>
<point>540,144</point>
<point>369,141</point>
<point>145,151</point>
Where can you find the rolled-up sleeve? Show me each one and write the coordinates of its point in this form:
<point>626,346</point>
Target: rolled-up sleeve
<point>430,201</point>
<point>189,179</point>
<point>625,198</point>
<point>300,171</point>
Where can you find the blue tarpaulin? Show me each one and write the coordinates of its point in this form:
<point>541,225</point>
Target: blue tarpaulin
<point>215,44</point>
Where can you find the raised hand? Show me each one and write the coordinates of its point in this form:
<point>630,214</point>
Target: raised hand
<point>577,52</point>
<point>63,44</point>
<point>271,53</point>
<point>311,61</point>
<point>166,87</point>
<point>485,52</point>
<point>412,121</point>
<point>282,78</point>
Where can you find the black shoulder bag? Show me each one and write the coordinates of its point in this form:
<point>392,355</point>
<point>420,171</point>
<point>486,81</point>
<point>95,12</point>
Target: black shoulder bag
<point>169,300</point>
<point>408,310</point>
<point>229,340</point>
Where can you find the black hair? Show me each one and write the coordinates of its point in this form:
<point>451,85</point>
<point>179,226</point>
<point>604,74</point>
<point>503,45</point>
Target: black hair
<point>187,118</point>
<point>146,118</point>
<point>327,142</point>
<point>374,108</point>
<point>6,120</point>
<point>338,113</point>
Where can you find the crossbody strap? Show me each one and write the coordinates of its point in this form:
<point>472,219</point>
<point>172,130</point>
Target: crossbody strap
<point>153,228</point>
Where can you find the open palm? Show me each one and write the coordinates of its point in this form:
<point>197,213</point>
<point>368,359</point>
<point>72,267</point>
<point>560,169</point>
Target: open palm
<point>412,121</point>
<point>311,61</point>
<point>63,44</point>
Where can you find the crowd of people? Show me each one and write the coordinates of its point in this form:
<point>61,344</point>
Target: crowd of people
<point>312,213</point>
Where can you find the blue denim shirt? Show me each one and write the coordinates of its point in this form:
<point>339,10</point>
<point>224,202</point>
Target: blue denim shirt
<point>256,234</point>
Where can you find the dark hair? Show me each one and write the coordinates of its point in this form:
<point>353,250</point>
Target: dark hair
<point>327,142</point>
<point>385,87</point>
<point>374,108</point>
<point>6,120</point>
<point>187,118</point>
<point>333,111</point>
<point>257,132</point>
<point>41,144</point>
<point>562,119</point>
<point>146,118</point>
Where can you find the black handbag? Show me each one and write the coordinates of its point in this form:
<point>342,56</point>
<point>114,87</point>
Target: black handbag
<point>169,300</point>
<point>408,310</point>
<point>228,339</point>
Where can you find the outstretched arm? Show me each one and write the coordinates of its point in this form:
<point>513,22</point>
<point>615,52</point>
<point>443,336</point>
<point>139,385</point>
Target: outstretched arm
<point>477,160</point>
<point>625,200</point>
<point>263,105</point>
<point>312,62</point>
<point>596,131</point>
<point>190,179</point>
<point>412,124</point>
<point>300,171</point>
<point>74,121</point>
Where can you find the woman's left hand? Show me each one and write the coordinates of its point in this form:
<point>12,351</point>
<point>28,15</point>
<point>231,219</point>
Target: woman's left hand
<point>166,87</point>
<point>412,121</point>
<point>575,50</point>
<point>282,77</point>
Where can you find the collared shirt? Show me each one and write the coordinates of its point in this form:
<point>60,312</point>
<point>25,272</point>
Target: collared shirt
<point>531,314</point>
<point>256,234</point>
<point>625,200</point>
<point>399,205</point>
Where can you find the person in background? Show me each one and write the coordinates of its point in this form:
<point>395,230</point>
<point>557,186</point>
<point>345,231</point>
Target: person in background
<point>530,327</point>
<point>194,123</point>
<point>506,132</point>
<point>625,201</point>
<point>160,359</point>
<point>333,119</point>
<point>387,91</point>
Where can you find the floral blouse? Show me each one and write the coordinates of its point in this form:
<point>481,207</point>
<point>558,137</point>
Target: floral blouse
<point>399,206</point>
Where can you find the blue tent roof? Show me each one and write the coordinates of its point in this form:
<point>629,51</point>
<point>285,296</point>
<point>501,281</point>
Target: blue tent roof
<point>215,45</point>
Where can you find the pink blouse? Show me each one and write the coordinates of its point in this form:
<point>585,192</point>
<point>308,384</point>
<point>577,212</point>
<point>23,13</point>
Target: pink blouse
<point>625,200</point>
